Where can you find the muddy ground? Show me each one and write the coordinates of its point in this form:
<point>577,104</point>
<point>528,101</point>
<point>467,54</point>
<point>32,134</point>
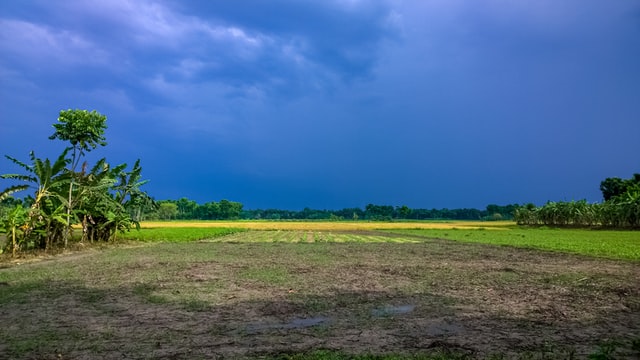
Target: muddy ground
<point>237,299</point>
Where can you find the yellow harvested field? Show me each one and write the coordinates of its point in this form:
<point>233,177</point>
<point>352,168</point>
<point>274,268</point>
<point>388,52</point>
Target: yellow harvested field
<point>329,225</point>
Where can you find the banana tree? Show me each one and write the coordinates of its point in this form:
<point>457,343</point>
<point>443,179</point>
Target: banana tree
<point>49,181</point>
<point>128,193</point>
<point>44,176</point>
<point>93,191</point>
<point>104,195</point>
<point>129,183</point>
<point>104,218</point>
<point>629,207</point>
<point>12,224</point>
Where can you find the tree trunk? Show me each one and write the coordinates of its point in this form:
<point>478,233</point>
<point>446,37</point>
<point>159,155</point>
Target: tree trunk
<point>66,233</point>
<point>15,244</point>
<point>85,229</point>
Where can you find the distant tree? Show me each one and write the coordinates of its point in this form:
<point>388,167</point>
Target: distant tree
<point>230,209</point>
<point>506,212</point>
<point>612,187</point>
<point>209,211</point>
<point>496,217</point>
<point>404,212</point>
<point>186,208</point>
<point>378,212</point>
<point>492,209</point>
<point>334,217</point>
<point>167,210</point>
<point>141,206</point>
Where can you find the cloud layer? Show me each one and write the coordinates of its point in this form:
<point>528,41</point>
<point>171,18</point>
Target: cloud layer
<point>337,103</point>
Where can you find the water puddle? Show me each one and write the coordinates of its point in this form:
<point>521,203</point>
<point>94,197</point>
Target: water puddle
<point>393,310</point>
<point>442,328</point>
<point>432,327</point>
<point>296,323</point>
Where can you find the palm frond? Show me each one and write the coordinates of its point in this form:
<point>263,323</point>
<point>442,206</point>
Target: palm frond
<point>20,163</point>
<point>61,162</point>
<point>25,178</point>
<point>11,190</point>
<point>100,166</point>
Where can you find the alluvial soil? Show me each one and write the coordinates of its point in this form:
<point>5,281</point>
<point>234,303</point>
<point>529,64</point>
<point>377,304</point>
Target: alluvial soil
<point>234,299</point>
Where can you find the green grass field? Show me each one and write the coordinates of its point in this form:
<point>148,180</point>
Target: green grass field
<point>601,243</point>
<point>177,234</point>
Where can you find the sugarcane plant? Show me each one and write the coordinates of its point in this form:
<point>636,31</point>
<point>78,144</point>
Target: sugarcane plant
<point>621,209</point>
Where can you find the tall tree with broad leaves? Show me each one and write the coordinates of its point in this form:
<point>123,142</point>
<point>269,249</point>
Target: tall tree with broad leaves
<point>85,131</point>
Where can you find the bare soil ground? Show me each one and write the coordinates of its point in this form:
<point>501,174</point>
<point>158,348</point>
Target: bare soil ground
<point>232,298</point>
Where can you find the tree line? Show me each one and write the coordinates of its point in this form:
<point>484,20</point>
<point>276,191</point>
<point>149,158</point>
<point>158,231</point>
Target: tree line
<point>186,209</point>
<point>620,209</point>
<point>101,200</point>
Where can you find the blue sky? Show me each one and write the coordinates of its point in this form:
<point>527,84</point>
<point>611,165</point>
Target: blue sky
<point>333,104</point>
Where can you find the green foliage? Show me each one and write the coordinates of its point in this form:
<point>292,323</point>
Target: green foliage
<point>229,209</point>
<point>378,212</point>
<point>606,351</point>
<point>496,212</point>
<point>621,208</point>
<point>381,213</point>
<point>100,198</point>
<point>612,244</point>
<point>185,209</point>
<point>82,128</point>
<point>46,215</point>
<point>404,212</point>
<point>5,195</point>
<point>41,174</point>
<point>225,210</point>
<point>622,211</point>
<point>14,224</point>
<point>178,234</point>
<point>614,187</point>
<point>167,210</point>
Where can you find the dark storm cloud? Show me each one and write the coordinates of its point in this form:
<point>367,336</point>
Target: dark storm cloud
<point>338,35</point>
<point>337,103</point>
<point>235,43</point>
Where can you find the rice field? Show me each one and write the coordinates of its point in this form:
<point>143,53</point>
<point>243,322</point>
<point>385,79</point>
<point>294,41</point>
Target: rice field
<point>331,225</point>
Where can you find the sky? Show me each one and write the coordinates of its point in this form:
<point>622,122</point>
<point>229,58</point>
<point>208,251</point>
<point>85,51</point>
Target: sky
<point>330,104</point>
